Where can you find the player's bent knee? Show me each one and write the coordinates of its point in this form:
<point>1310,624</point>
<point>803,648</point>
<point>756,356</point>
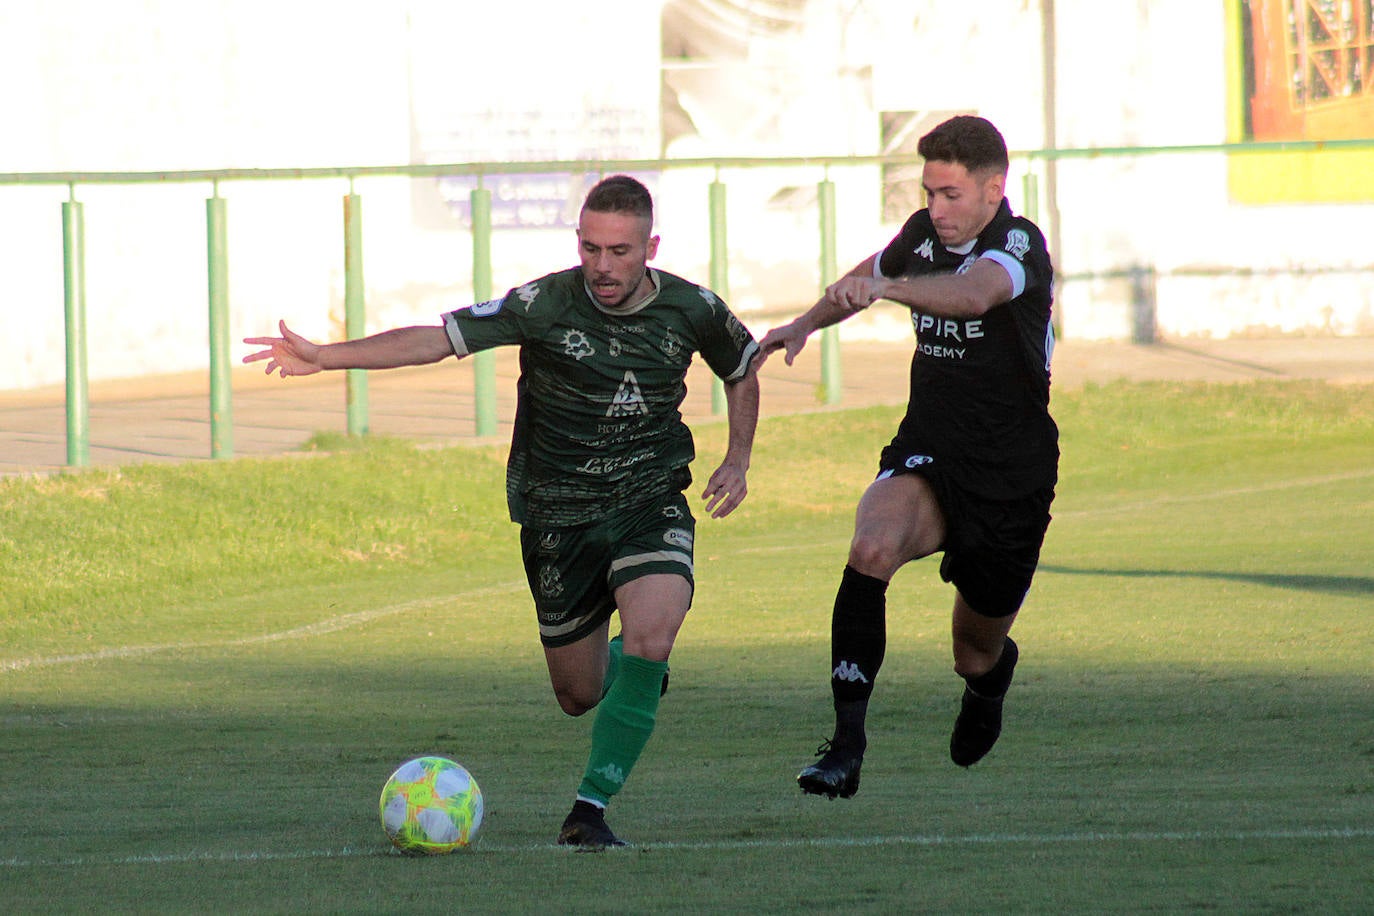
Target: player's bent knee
<point>575,700</point>
<point>876,556</point>
<point>575,705</point>
<point>655,648</point>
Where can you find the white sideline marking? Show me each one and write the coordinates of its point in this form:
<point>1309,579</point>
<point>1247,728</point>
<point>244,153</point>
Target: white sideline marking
<point>319,628</point>
<point>988,839</point>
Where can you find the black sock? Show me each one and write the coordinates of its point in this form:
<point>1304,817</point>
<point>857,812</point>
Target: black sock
<point>994,683</point>
<point>858,636</point>
<point>849,726</point>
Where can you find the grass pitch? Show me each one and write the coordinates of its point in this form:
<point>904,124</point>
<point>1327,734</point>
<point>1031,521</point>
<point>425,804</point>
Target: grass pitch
<point>207,672</point>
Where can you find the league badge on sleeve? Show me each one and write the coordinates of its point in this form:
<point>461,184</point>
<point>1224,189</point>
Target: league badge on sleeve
<point>1018,243</point>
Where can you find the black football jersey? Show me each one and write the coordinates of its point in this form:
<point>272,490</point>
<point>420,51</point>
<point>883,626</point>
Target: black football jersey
<point>980,387</point>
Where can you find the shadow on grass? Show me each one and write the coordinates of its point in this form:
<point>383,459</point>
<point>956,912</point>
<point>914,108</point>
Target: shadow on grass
<point>1329,585</point>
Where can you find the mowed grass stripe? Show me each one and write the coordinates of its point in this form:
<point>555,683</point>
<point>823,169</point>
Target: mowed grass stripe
<point>837,842</point>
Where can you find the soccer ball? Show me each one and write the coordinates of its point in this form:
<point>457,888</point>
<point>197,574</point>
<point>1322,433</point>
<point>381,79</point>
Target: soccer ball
<point>431,806</point>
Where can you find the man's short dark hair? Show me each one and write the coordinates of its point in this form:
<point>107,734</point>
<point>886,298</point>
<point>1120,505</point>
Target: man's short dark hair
<point>970,141</point>
<point>620,194</point>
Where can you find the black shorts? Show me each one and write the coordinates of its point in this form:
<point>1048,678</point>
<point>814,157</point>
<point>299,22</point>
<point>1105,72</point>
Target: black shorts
<point>992,546</point>
<point>573,572</point>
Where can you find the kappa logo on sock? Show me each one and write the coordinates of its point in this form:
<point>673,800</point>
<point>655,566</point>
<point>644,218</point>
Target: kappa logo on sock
<point>613,773</point>
<point>848,671</point>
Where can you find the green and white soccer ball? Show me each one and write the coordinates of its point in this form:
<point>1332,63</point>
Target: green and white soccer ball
<point>431,806</point>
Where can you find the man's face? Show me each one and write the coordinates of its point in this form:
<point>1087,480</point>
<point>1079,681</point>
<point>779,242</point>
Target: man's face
<point>961,204</point>
<point>615,250</point>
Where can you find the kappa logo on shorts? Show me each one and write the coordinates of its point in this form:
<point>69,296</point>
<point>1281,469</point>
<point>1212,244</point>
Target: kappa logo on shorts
<point>550,582</point>
<point>678,537</point>
<point>915,461</point>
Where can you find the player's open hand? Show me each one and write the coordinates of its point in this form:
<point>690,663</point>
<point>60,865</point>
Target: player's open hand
<point>289,354</point>
<point>725,490</point>
<point>790,338</point>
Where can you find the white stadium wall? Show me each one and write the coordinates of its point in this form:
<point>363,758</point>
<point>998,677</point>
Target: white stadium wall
<point>160,85</point>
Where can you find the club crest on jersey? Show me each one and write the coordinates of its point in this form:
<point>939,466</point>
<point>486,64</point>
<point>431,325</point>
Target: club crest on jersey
<point>527,294</point>
<point>628,400</point>
<point>915,461</point>
<point>672,344</point>
<point>925,250</point>
<point>1018,243</point>
<point>576,345</point>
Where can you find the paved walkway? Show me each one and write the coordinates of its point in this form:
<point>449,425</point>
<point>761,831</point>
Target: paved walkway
<point>168,418</point>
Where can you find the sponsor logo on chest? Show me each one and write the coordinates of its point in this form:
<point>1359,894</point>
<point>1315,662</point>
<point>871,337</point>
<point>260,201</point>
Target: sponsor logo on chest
<point>945,338</point>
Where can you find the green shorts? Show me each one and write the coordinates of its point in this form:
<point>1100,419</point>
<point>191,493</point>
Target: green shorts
<point>573,572</point>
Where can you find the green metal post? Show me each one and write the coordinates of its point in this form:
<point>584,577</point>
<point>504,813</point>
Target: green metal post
<point>217,262</point>
<point>831,373</point>
<point>74,296</point>
<point>1030,190</point>
<point>355,312</point>
<point>484,363</point>
<point>720,272</point>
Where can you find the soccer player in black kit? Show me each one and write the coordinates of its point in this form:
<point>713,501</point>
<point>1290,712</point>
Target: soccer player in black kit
<point>973,466</point>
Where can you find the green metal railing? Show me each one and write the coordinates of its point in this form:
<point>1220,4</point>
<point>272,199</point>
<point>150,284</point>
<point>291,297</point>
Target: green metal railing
<point>74,296</point>
<point>74,252</point>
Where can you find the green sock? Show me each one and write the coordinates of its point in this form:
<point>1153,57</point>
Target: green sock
<point>617,649</point>
<point>624,722</point>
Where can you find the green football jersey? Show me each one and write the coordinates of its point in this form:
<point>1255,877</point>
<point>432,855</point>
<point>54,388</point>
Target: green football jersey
<point>598,425</point>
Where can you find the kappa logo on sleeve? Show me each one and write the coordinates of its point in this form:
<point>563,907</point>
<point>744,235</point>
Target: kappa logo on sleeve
<point>528,293</point>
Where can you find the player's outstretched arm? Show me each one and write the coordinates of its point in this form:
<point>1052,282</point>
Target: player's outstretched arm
<point>291,354</point>
<point>727,487</point>
<point>829,310</point>
<point>970,294</point>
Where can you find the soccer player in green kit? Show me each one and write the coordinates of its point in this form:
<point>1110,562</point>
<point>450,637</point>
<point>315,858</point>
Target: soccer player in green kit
<point>598,462</point>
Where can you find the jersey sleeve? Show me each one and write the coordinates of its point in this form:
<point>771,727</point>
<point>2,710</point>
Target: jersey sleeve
<point>1022,254</point>
<point>894,260</point>
<point>723,340</point>
<point>508,320</point>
